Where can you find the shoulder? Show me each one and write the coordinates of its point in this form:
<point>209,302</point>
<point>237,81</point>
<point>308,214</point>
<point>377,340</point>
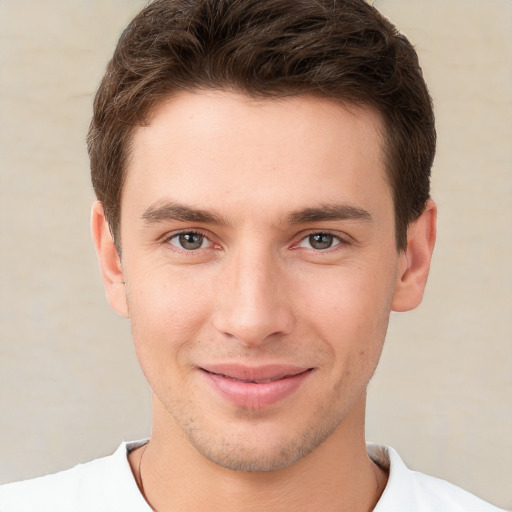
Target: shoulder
<point>410,490</point>
<point>105,484</point>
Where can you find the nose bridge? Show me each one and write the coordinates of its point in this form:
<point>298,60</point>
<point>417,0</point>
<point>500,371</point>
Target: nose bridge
<point>253,305</point>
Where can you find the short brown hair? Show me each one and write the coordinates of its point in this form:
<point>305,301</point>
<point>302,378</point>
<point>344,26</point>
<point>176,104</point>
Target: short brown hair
<point>339,49</point>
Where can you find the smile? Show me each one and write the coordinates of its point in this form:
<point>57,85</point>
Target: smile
<point>254,381</point>
<point>255,388</point>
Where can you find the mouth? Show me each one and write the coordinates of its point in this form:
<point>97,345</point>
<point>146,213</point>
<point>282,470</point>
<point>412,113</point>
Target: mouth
<point>255,387</point>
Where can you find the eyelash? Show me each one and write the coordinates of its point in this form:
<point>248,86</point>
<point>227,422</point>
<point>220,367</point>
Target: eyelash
<point>340,241</point>
<point>167,240</point>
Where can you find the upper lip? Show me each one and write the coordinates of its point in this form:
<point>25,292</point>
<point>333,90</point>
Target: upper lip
<point>255,373</point>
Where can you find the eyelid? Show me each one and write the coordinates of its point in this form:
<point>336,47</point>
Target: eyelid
<point>165,239</point>
<point>342,238</point>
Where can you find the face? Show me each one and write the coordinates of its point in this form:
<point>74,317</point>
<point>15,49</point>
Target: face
<point>259,255</point>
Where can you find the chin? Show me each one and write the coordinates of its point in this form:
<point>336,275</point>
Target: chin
<point>260,450</point>
<point>252,459</point>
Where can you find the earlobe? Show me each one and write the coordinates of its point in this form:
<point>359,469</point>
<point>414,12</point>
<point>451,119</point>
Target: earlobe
<point>109,261</point>
<point>415,261</point>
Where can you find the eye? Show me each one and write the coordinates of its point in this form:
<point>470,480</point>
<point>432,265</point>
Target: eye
<point>320,241</point>
<point>190,241</point>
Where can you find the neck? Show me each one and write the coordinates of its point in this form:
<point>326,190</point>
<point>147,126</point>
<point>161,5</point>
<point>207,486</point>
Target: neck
<point>337,476</point>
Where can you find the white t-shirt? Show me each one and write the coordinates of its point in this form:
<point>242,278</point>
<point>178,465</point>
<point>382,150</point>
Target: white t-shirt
<point>108,485</point>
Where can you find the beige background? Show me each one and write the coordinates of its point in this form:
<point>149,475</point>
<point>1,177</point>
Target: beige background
<point>70,386</point>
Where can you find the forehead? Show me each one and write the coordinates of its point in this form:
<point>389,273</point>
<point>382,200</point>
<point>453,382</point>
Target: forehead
<point>206,146</point>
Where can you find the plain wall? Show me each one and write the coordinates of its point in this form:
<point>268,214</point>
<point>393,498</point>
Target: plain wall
<point>70,387</point>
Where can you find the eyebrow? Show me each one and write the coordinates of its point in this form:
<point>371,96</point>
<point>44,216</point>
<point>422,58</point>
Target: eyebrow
<point>328,212</point>
<point>168,211</point>
<point>162,211</point>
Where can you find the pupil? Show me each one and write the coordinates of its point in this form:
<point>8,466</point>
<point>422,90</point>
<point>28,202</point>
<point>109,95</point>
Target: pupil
<point>191,240</point>
<point>321,241</point>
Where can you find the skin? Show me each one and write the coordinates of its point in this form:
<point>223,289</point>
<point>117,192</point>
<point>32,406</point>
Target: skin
<point>257,289</point>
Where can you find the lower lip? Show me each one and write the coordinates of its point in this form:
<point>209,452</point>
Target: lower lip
<point>255,395</point>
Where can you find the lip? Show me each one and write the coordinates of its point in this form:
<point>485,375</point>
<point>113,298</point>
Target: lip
<point>255,387</point>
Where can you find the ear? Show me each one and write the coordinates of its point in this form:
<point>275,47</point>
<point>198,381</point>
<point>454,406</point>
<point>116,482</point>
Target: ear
<point>415,260</point>
<point>109,260</point>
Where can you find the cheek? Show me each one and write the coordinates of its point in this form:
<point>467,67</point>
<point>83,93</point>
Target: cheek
<point>351,313</point>
<point>166,312</point>
<point>353,297</point>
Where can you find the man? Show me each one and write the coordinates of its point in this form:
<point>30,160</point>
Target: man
<point>262,174</point>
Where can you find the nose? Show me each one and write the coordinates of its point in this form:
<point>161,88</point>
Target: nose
<point>252,299</point>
